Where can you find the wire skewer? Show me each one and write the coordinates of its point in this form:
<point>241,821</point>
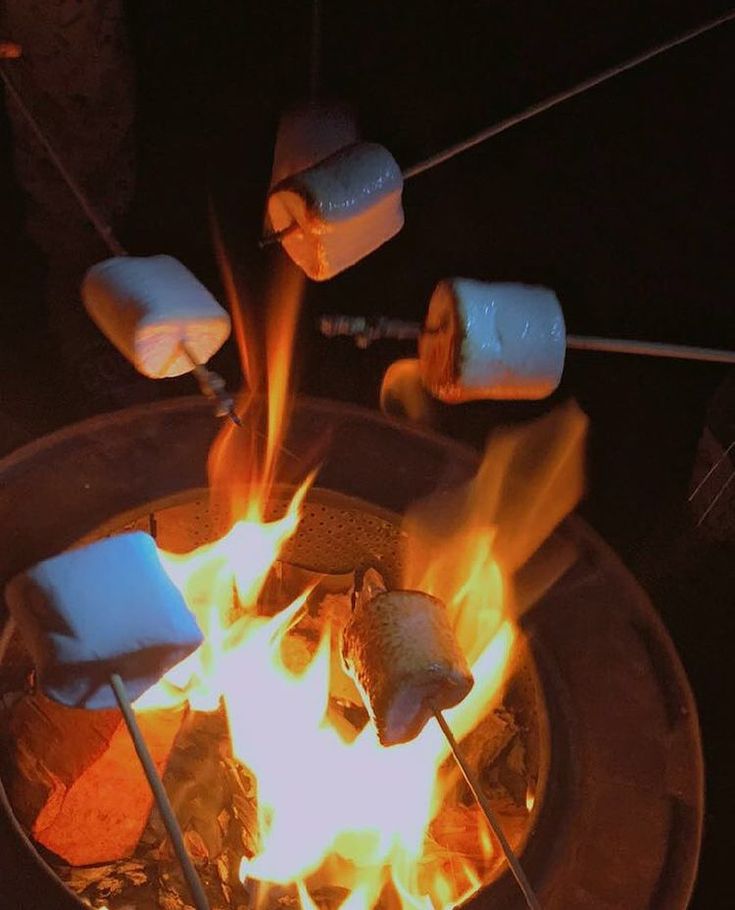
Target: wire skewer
<point>159,794</point>
<point>541,106</point>
<point>366,330</point>
<point>211,384</point>
<point>721,460</point>
<point>473,783</point>
<point>534,110</point>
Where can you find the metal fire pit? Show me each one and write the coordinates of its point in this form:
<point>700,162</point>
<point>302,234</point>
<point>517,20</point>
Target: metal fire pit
<point>620,822</point>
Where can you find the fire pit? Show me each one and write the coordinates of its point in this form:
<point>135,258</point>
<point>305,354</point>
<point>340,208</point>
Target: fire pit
<point>605,717</point>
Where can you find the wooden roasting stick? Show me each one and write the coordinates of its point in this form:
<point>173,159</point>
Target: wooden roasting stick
<point>159,794</point>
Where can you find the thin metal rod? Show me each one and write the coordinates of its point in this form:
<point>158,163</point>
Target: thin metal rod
<point>715,466</point>
<point>716,499</point>
<point>213,386</point>
<point>563,96</point>
<point>474,785</point>
<point>210,383</point>
<point>366,330</point>
<point>276,236</point>
<point>98,223</point>
<point>159,794</point>
<point>316,49</point>
<point>649,349</point>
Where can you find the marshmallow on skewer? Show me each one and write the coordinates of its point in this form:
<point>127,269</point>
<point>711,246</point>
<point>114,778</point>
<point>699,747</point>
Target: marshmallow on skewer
<point>310,133</point>
<point>105,608</point>
<point>155,311</point>
<point>340,210</point>
<point>501,341</point>
<point>406,662</point>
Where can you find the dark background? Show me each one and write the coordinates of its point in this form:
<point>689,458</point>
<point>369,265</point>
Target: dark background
<point>620,200</point>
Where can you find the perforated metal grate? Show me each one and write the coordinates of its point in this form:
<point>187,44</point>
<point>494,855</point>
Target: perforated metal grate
<point>336,533</point>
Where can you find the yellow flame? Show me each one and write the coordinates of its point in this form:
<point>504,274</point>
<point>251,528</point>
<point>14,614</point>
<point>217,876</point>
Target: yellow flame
<point>335,808</point>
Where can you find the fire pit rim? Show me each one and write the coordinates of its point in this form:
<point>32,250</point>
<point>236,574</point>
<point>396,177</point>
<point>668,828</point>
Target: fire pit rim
<point>12,466</point>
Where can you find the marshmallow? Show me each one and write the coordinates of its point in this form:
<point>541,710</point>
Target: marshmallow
<point>309,134</point>
<point>492,341</point>
<point>147,307</point>
<point>339,210</point>
<point>105,608</point>
<point>400,648</point>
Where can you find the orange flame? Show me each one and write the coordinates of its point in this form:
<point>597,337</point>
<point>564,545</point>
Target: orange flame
<point>334,808</point>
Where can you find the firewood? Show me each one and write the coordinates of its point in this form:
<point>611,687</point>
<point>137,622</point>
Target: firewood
<point>75,782</point>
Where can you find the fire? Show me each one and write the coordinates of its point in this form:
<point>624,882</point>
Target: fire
<point>334,807</point>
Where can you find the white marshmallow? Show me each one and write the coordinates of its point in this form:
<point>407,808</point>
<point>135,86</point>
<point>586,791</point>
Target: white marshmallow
<point>502,341</point>
<point>309,134</point>
<point>105,608</point>
<point>148,306</point>
<point>341,209</point>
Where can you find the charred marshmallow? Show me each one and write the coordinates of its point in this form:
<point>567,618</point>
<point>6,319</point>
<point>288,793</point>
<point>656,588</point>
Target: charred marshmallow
<point>400,648</point>
<point>340,210</point>
<point>105,608</point>
<point>148,307</point>
<point>504,341</point>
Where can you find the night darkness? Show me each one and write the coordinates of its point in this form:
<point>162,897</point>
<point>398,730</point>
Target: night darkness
<point>620,200</point>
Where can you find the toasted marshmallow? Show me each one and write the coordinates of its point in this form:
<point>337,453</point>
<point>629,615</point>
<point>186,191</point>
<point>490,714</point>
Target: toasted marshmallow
<point>401,651</point>
<point>502,341</point>
<point>105,608</point>
<point>340,210</point>
<point>148,307</point>
<point>309,134</point>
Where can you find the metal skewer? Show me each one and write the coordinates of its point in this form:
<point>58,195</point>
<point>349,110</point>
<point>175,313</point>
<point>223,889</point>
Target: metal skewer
<point>541,106</point>
<point>365,331</point>
<point>474,785</point>
<point>211,384</point>
<point>159,794</point>
<point>546,104</point>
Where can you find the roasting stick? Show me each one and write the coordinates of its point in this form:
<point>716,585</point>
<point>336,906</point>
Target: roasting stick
<point>502,126</point>
<point>400,649</point>
<point>541,106</point>
<point>365,331</point>
<point>159,794</point>
<point>103,229</point>
<point>474,784</point>
<point>211,384</point>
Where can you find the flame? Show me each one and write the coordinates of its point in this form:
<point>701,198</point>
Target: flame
<point>335,807</point>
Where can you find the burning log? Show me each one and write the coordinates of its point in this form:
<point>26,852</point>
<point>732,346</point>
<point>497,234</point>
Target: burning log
<point>74,780</point>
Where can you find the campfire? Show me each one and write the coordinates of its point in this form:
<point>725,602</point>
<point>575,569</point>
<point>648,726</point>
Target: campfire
<point>284,792</point>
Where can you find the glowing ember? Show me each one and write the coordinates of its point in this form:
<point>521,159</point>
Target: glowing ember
<point>333,808</point>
